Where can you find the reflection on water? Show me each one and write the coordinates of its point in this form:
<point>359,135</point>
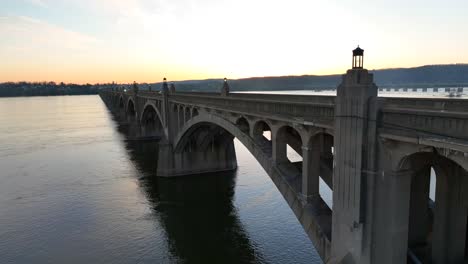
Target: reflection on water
<point>197,213</point>
<point>74,190</point>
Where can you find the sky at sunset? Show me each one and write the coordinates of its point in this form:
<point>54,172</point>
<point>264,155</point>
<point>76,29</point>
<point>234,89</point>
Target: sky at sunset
<point>124,41</point>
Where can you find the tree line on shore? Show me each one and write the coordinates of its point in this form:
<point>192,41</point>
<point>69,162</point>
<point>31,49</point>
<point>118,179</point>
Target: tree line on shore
<point>13,89</point>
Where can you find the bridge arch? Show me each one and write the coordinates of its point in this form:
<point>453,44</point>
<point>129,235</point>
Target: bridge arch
<point>287,135</point>
<point>151,121</point>
<point>261,133</point>
<point>201,119</point>
<point>437,230</point>
<point>243,124</point>
<point>194,112</point>
<point>405,160</point>
<point>121,103</point>
<point>264,157</point>
<point>131,110</point>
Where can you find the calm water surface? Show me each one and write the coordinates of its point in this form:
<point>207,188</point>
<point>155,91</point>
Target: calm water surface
<point>72,190</point>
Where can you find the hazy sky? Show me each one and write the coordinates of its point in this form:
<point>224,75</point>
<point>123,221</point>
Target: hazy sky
<point>143,40</point>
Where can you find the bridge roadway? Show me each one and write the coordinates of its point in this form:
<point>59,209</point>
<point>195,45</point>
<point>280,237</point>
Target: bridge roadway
<point>376,154</point>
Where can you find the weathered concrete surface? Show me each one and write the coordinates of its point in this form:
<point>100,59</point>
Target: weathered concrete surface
<point>374,153</point>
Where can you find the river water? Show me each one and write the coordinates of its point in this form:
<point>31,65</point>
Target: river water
<point>72,190</point>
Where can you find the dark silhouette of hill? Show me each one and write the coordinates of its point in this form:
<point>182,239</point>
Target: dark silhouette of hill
<point>435,75</point>
<point>430,76</point>
<point>425,76</point>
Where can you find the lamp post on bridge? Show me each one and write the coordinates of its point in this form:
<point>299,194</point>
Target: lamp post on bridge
<point>358,58</point>
<point>225,89</point>
<point>135,87</point>
<point>165,89</point>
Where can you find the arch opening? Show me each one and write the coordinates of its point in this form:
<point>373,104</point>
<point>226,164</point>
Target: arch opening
<point>288,155</point>
<point>292,140</point>
<point>326,146</point>
<point>262,135</point>
<point>207,147</point>
<point>194,112</point>
<point>438,211</point>
<point>131,113</point>
<point>121,103</point>
<point>150,123</point>
<point>243,125</point>
<point>322,147</point>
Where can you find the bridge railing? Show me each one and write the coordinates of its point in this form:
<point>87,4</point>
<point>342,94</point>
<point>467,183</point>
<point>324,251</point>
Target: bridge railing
<point>150,94</point>
<point>423,118</point>
<point>300,109</point>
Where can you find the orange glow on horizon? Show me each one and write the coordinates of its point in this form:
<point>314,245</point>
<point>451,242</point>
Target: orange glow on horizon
<point>126,41</point>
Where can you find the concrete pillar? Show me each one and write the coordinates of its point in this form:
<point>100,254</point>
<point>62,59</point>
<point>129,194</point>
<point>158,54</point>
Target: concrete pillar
<point>326,160</point>
<point>355,144</point>
<point>279,147</point>
<point>450,217</point>
<point>397,214</point>
<point>166,112</point>
<point>419,223</point>
<point>180,117</point>
<point>310,172</point>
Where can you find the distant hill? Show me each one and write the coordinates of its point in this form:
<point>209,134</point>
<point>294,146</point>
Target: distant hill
<point>425,76</point>
<point>431,76</point>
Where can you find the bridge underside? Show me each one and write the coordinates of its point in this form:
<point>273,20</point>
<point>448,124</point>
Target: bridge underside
<point>206,148</point>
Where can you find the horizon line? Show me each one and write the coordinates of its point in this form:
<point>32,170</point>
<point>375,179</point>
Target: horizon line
<point>243,78</point>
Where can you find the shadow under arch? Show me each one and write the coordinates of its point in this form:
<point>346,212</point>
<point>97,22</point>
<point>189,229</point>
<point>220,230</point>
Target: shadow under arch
<point>121,103</point>
<point>287,184</point>
<point>197,213</point>
<point>243,124</point>
<point>151,122</point>
<point>131,110</point>
<point>200,120</point>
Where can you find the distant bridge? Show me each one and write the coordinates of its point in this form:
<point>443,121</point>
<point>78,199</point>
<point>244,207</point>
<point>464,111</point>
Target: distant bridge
<point>376,154</point>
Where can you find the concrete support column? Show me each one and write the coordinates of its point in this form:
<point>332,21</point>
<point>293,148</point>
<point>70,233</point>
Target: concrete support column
<point>419,211</point>
<point>181,117</point>
<point>310,172</point>
<point>279,148</point>
<point>450,217</point>
<point>178,118</point>
<point>397,216</point>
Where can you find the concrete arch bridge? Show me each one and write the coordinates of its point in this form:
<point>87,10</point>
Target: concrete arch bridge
<point>376,155</point>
